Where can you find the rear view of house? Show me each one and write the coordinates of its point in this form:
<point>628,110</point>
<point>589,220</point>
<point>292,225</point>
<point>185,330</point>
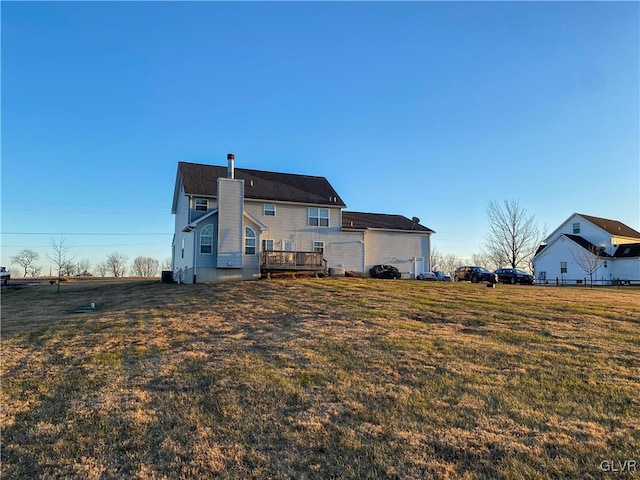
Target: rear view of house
<point>235,224</point>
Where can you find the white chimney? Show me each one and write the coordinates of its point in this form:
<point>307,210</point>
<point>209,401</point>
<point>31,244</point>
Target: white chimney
<point>231,168</point>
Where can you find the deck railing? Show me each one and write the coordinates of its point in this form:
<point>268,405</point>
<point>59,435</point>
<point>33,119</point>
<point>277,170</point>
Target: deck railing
<point>277,260</point>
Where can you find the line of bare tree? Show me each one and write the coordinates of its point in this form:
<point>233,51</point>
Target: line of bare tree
<point>65,265</point>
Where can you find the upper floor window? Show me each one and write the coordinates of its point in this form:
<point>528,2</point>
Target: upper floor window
<point>249,241</point>
<point>269,210</point>
<point>202,204</point>
<point>206,239</point>
<point>576,228</point>
<point>318,217</point>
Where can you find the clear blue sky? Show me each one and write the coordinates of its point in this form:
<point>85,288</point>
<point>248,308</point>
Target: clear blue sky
<point>420,108</point>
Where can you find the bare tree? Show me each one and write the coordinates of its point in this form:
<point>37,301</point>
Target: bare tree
<point>84,265</point>
<point>443,262</point>
<point>484,260</point>
<point>117,264</point>
<point>34,271</point>
<point>436,259</point>
<point>145,267</point>
<point>60,256</point>
<point>513,235</point>
<point>166,264</point>
<point>25,259</point>
<point>101,269</point>
<point>589,259</point>
<point>449,263</point>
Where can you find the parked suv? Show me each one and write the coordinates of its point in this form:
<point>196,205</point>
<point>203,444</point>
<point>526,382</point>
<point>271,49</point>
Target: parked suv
<point>475,275</point>
<point>514,275</point>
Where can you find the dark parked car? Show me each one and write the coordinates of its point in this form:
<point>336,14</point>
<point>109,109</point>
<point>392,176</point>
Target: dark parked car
<point>514,275</point>
<point>475,275</point>
<point>384,271</point>
<point>428,276</point>
<point>442,277</point>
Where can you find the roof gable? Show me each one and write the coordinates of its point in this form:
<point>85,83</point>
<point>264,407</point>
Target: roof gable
<point>363,221</point>
<point>614,227</point>
<point>587,245</point>
<point>201,180</point>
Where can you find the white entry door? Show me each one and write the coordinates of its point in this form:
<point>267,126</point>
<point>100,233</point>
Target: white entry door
<point>418,266</point>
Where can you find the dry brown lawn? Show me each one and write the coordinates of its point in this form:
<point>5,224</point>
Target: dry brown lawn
<point>309,378</point>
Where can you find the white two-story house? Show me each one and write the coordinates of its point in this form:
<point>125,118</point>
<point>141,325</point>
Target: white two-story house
<point>235,224</point>
<point>563,255</point>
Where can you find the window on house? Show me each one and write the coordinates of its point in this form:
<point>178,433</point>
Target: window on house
<point>202,204</point>
<point>206,239</point>
<point>563,267</point>
<point>269,210</point>
<point>249,241</point>
<point>318,217</point>
<point>267,245</point>
<point>318,247</point>
<point>542,275</point>
<point>287,245</point>
<point>182,249</point>
<point>576,228</point>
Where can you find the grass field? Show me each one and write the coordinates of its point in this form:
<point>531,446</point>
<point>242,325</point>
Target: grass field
<point>308,378</point>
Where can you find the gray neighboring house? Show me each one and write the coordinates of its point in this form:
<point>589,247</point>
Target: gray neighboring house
<point>235,224</point>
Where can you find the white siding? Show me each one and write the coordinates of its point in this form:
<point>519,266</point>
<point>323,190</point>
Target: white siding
<point>230,223</point>
<point>627,269</point>
<point>397,249</point>
<point>566,250</point>
<point>182,257</point>
<point>588,230</point>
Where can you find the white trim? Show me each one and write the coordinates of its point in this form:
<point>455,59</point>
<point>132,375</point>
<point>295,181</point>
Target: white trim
<point>210,244</point>
<point>244,243</point>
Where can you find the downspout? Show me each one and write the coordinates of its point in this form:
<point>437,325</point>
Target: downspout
<point>195,255</point>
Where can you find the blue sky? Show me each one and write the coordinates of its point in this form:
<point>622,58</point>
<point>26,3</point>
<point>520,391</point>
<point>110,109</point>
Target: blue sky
<point>423,109</point>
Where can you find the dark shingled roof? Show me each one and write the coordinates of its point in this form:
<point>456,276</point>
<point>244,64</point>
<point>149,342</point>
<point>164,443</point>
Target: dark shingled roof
<point>201,180</point>
<point>362,221</point>
<point>628,250</point>
<point>614,227</point>
<point>584,243</point>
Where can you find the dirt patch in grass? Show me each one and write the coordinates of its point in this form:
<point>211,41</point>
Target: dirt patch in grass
<point>308,378</point>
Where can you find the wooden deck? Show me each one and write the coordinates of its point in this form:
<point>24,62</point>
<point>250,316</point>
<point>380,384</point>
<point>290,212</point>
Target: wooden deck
<point>274,261</point>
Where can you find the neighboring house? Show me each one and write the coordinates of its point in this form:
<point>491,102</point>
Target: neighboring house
<point>609,247</point>
<point>234,224</point>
